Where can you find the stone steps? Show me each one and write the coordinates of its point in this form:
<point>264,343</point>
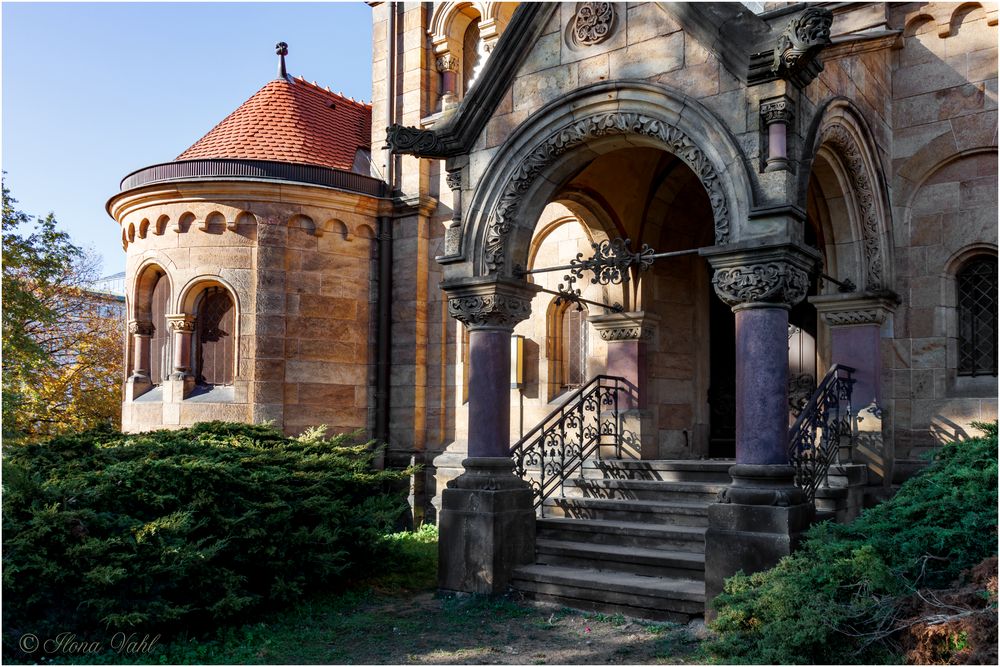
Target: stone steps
<point>654,598</point>
<point>642,489</point>
<point>677,513</point>
<point>622,533</point>
<point>713,470</point>
<point>634,560</point>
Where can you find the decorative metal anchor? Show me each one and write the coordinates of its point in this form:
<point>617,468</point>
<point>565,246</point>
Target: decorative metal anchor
<point>610,264</point>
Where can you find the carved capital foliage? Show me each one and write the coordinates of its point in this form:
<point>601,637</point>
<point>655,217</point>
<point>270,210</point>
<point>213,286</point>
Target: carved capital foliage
<point>579,132</point>
<point>843,143</point>
<point>800,42</point>
<point>413,141</point>
<point>776,111</point>
<point>490,304</point>
<point>183,323</point>
<point>776,283</point>
<point>454,179</point>
<point>592,23</point>
<point>138,328</point>
<point>448,63</point>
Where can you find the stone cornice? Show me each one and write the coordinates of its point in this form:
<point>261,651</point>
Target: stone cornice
<point>758,275</point>
<point>636,325</point>
<point>857,309</point>
<point>489,303</point>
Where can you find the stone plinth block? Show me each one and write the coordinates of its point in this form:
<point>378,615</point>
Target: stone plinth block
<point>487,527</point>
<point>758,520</point>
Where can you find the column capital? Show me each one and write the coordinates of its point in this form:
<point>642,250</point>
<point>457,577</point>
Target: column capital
<point>140,327</point>
<point>181,322</point>
<point>777,110</point>
<point>635,325</point>
<point>489,303</point>
<point>761,276</point>
<point>856,309</point>
<point>448,62</point>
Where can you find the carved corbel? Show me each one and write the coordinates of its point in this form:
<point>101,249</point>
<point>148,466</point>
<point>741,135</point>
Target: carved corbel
<point>795,54</point>
<point>402,139</point>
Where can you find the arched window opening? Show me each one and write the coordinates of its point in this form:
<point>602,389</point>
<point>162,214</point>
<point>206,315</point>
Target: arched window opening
<point>568,347</point>
<point>216,320</point>
<point>471,46</point>
<point>159,353</point>
<point>977,317</point>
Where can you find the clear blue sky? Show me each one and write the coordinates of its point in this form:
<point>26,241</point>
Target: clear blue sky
<point>94,91</point>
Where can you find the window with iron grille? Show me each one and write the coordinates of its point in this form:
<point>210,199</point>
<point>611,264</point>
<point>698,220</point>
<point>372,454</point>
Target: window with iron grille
<point>977,317</point>
<point>216,320</point>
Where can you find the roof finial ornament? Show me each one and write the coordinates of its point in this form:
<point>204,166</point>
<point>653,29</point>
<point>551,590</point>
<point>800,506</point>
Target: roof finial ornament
<point>281,48</point>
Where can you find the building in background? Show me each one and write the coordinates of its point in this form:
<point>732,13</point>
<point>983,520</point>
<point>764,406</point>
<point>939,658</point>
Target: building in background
<point>817,182</point>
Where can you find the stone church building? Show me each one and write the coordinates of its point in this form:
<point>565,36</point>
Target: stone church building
<point>645,288</point>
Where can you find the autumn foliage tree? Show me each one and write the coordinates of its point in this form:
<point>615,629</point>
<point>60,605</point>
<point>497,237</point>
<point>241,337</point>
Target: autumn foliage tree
<point>62,343</point>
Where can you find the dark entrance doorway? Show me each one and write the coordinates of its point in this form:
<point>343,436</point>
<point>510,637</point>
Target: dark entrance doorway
<point>722,380</point>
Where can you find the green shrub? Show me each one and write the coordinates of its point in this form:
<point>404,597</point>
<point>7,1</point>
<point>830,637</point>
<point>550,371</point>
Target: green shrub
<point>184,530</point>
<point>835,599</point>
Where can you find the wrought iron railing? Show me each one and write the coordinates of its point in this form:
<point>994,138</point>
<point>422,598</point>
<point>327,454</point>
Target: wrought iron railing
<point>816,437</point>
<point>557,447</point>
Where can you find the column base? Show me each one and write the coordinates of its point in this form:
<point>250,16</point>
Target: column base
<point>177,387</point>
<point>758,520</point>
<point>136,386</point>
<point>487,527</point>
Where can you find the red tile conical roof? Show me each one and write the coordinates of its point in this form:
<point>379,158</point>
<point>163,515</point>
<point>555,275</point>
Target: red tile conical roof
<point>290,121</point>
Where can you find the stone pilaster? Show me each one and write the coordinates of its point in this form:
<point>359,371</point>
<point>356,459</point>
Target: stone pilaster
<point>855,321</point>
<point>760,517</point>
<point>139,381</point>
<point>629,336</point>
<point>487,519</point>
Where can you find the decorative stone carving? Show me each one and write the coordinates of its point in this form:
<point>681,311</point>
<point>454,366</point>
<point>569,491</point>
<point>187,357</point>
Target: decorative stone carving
<point>675,140</point>
<point>413,140</point>
<point>798,45</point>
<point>593,22</point>
<point>637,325</point>
<point>454,180</point>
<point>777,283</point>
<point>183,323</point>
<point>841,140</point>
<point>776,111</point>
<point>843,310</point>
<point>138,328</point>
<point>490,304</point>
<point>448,63</point>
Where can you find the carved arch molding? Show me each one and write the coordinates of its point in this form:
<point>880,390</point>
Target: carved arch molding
<point>843,143</point>
<point>578,132</point>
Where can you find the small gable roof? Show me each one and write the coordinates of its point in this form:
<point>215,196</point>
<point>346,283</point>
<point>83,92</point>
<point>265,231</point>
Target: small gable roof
<point>290,120</point>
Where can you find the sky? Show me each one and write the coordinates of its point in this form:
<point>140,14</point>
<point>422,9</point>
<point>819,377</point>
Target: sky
<point>93,91</point>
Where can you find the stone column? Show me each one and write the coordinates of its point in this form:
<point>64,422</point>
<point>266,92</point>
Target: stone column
<point>487,519</point>
<point>139,381</point>
<point>855,322</point>
<point>449,65</point>
<point>628,336</point>
<point>180,382</point>
<point>776,114</point>
<point>760,517</point>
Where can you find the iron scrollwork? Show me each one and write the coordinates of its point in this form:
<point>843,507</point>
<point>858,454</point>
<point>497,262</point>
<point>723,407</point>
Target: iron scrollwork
<point>824,424</point>
<point>560,444</point>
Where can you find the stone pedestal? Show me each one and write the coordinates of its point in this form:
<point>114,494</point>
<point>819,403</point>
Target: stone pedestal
<point>487,527</point>
<point>758,520</point>
<point>629,336</point>
<point>487,520</point>
<point>760,516</point>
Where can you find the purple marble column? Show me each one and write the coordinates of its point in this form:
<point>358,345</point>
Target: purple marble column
<point>489,393</point>
<point>762,386</point>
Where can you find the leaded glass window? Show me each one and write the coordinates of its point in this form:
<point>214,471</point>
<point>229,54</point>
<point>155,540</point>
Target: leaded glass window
<point>977,317</point>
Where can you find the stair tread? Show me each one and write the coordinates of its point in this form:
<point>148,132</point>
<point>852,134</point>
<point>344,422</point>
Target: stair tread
<point>615,550</point>
<point>663,464</point>
<point>679,506</point>
<point>620,526</point>
<point>650,484</point>
<point>615,581</point>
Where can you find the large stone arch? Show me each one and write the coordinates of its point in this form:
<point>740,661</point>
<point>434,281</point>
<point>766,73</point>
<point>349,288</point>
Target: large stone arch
<point>843,144</point>
<point>532,164</point>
